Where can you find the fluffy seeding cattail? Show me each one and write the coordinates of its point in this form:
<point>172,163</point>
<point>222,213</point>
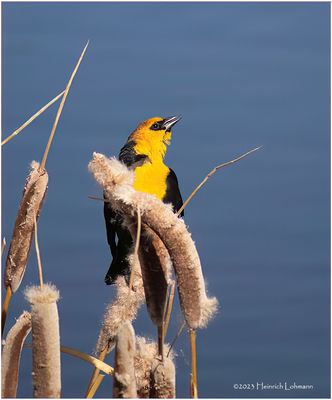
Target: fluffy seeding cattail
<point>146,354</point>
<point>124,383</point>
<point>11,355</point>
<point>163,379</point>
<point>31,203</point>
<point>45,341</point>
<point>117,182</point>
<point>123,308</point>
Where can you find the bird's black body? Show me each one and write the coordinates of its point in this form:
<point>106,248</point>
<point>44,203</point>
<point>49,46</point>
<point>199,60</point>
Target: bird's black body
<point>118,236</point>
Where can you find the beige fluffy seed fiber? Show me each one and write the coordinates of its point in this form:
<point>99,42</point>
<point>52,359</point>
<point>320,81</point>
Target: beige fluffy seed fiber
<point>123,308</point>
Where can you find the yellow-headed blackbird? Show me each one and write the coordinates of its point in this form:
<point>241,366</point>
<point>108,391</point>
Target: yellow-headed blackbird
<point>144,152</point>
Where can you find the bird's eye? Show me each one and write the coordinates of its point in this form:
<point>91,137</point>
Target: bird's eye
<point>155,127</point>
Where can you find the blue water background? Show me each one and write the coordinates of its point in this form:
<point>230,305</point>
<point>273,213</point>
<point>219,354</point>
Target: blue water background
<point>242,75</point>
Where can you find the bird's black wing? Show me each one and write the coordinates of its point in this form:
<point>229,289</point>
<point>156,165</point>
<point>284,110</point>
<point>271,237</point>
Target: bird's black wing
<point>111,225</point>
<point>129,157</point>
<point>173,194</point>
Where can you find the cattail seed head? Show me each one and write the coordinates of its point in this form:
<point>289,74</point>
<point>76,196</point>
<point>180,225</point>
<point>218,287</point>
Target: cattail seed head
<point>30,206</point>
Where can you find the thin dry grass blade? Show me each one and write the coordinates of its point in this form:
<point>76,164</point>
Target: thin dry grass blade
<point>30,207</point>
<point>28,122</point>
<point>177,335</point>
<point>95,386</point>
<point>11,355</point>
<point>124,383</point>
<point>96,371</point>
<point>169,306</point>
<point>100,365</point>
<point>62,103</point>
<point>3,246</point>
<point>45,341</point>
<point>213,171</point>
<point>40,269</point>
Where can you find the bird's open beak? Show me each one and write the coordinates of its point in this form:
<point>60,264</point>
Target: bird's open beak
<point>169,122</point>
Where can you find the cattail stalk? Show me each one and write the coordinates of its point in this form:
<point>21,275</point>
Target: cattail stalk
<point>124,384</point>
<point>193,380</point>
<point>95,386</point>
<point>45,341</point>
<point>11,355</point>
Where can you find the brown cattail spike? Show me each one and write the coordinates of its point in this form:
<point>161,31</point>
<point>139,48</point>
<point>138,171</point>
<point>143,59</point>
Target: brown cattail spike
<point>31,204</point>
<point>11,355</point>
<point>45,341</point>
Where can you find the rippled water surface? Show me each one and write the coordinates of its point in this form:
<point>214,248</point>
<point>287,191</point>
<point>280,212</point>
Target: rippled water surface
<point>241,75</point>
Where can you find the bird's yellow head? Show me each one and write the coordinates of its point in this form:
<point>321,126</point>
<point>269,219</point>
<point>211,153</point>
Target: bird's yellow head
<point>153,136</point>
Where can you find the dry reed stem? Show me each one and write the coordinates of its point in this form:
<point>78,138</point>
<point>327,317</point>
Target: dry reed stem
<point>11,355</point>
<point>95,386</point>
<point>124,383</point>
<point>193,380</point>
<point>30,206</point>
<point>169,306</point>
<point>100,365</point>
<point>5,307</point>
<point>3,246</point>
<point>137,241</point>
<point>28,122</point>
<point>45,341</point>
<point>163,379</point>
<point>95,372</point>
<point>62,103</point>
<point>177,335</point>
<point>117,182</point>
<point>40,269</point>
<point>213,171</point>
<point>123,308</point>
